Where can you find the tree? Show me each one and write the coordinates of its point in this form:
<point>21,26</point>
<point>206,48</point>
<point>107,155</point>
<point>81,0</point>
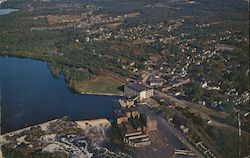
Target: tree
<point>196,90</point>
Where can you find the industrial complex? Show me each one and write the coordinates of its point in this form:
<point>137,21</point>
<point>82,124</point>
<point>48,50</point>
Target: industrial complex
<point>139,90</point>
<point>134,127</point>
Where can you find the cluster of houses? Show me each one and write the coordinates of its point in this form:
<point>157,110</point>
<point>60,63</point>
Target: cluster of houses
<point>148,33</point>
<point>161,71</point>
<point>165,75</point>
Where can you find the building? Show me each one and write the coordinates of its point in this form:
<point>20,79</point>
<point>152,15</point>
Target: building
<point>134,126</point>
<point>151,124</point>
<point>139,90</point>
<point>155,82</point>
<point>127,102</point>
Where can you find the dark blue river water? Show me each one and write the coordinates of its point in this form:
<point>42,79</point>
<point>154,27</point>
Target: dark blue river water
<point>30,95</point>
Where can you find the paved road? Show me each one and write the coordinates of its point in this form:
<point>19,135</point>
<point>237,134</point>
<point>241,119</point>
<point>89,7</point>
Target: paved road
<point>195,108</point>
<point>164,124</point>
<point>173,135</point>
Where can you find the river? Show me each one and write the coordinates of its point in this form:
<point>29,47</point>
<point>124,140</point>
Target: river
<point>30,95</point>
<point>7,11</point>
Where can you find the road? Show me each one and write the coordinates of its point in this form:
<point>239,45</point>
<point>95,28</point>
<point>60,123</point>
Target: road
<point>198,109</point>
<point>173,135</point>
<point>163,124</point>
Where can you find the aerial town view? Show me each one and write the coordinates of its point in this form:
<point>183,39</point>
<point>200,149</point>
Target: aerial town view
<point>124,79</point>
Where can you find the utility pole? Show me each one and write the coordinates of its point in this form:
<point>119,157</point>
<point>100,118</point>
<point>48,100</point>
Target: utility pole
<point>0,112</point>
<point>1,154</point>
<point>239,122</point>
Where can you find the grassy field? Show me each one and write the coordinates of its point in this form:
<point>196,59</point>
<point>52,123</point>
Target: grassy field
<point>100,85</point>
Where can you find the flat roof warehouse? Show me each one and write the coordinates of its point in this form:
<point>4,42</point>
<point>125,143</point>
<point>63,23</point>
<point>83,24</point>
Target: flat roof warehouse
<point>137,87</point>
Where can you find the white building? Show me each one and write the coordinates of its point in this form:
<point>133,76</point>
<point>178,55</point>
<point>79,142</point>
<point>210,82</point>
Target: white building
<point>139,90</point>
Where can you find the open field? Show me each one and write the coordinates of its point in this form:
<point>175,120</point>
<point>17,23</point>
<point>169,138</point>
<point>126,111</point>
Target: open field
<point>100,85</point>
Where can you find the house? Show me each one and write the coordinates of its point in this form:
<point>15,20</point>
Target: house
<point>135,89</point>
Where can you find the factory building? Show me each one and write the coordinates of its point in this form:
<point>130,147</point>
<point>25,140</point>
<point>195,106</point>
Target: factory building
<point>134,126</point>
<point>139,90</point>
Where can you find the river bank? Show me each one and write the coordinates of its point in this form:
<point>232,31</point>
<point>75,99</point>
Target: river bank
<point>4,11</point>
<point>102,85</point>
<point>102,94</point>
<point>40,97</point>
<point>2,1</point>
<point>61,138</point>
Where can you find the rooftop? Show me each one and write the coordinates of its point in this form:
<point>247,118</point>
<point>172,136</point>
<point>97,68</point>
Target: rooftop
<point>137,87</point>
<point>136,123</point>
<point>119,113</point>
<point>127,128</point>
